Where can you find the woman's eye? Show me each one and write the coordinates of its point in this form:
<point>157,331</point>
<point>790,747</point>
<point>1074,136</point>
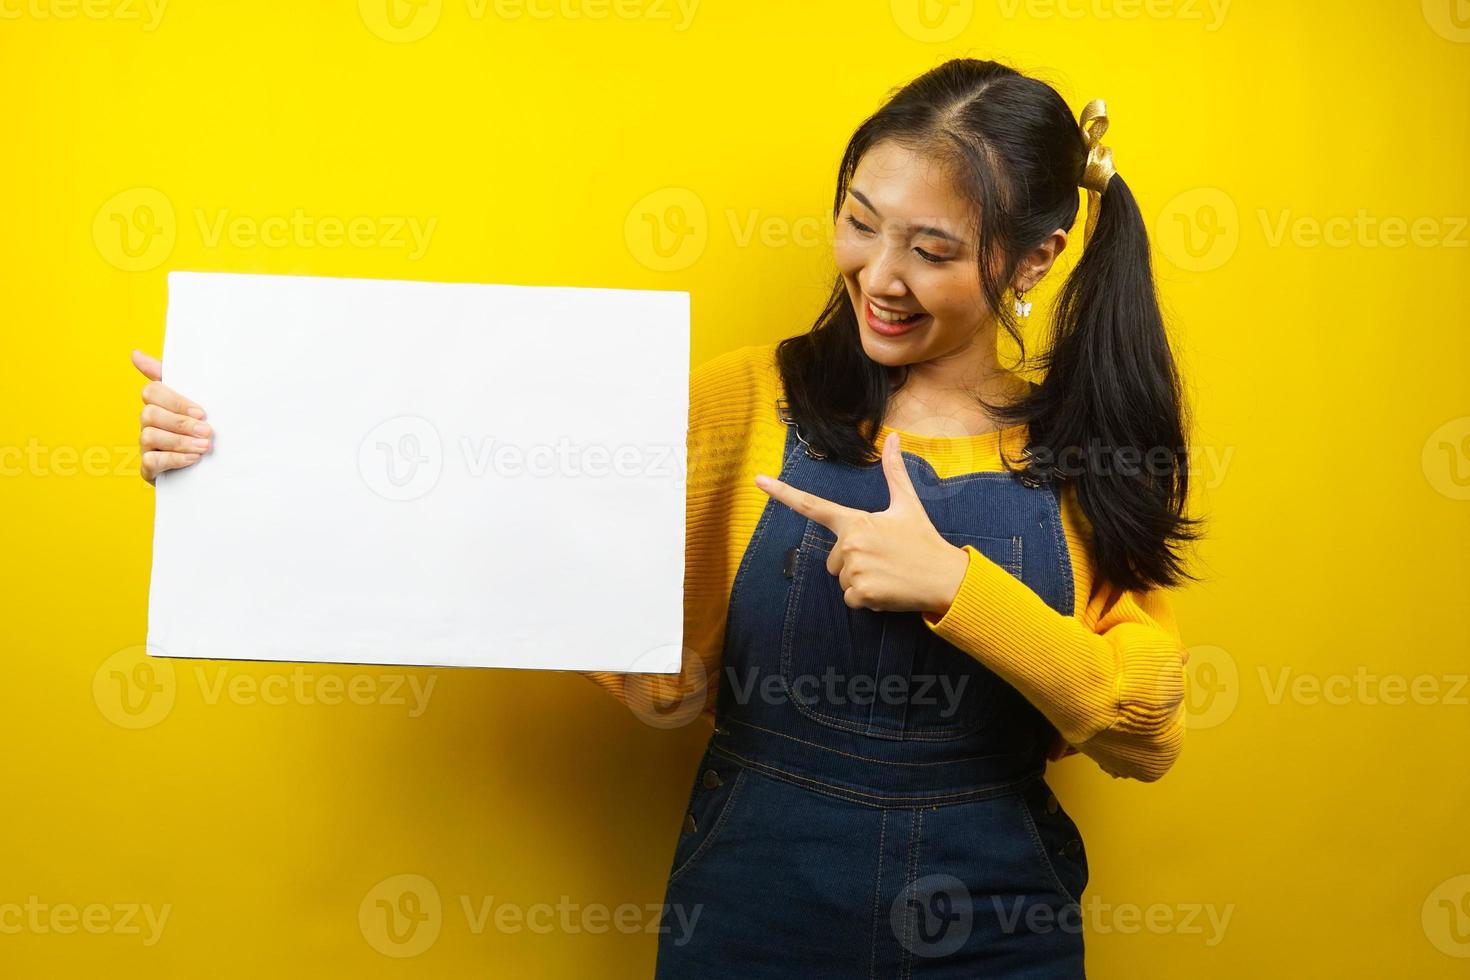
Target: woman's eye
<point>926,256</point>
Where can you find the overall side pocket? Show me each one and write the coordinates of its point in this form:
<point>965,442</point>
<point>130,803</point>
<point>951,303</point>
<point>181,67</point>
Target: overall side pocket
<point>716,791</point>
<point>1057,840</point>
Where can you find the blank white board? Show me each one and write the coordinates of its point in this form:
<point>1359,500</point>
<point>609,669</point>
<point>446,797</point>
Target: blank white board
<point>424,473</point>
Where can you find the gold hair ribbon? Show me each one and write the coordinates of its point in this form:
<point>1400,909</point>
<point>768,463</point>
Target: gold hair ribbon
<point>1099,170</point>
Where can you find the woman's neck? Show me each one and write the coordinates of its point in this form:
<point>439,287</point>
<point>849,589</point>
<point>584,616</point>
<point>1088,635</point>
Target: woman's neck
<point>928,406</point>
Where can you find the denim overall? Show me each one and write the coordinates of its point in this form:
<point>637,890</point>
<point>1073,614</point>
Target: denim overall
<point>872,801</point>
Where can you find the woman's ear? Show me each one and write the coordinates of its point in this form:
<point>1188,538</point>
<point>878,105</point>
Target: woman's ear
<point>1038,261</point>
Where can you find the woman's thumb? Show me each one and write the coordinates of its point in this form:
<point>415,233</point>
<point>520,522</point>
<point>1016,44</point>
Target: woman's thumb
<point>151,367</point>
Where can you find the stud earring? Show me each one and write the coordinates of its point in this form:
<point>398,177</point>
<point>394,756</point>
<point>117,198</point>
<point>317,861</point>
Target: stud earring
<point>1023,308</point>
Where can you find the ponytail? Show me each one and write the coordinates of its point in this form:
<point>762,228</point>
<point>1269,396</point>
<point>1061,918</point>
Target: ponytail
<point>1109,417</point>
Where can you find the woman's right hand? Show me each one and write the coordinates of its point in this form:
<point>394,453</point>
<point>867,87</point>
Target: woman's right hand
<point>172,435</point>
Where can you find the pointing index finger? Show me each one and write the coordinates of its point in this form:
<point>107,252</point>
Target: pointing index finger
<point>829,514</point>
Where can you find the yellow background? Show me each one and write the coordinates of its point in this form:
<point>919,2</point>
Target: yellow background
<point>1302,167</point>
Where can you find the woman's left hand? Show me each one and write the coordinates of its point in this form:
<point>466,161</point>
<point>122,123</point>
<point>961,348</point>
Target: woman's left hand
<point>891,560</point>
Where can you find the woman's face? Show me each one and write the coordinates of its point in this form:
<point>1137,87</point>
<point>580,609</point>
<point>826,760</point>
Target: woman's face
<point>906,243</point>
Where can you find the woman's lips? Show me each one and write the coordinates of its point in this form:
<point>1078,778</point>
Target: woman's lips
<point>878,325</point>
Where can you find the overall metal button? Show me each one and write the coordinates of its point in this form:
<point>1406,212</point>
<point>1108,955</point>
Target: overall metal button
<point>711,779</point>
<point>1051,803</point>
<point>1072,847</point>
<point>783,412</point>
<point>689,825</point>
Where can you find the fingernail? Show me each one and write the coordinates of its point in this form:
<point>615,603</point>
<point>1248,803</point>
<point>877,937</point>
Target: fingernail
<point>200,429</point>
<point>199,443</point>
<point>198,413</point>
<point>762,481</point>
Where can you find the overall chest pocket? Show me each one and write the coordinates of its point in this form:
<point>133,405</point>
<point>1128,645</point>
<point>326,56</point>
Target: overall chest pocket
<point>883,674</point>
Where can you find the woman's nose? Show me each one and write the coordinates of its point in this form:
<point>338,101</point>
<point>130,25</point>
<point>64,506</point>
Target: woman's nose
<point>883,276</point>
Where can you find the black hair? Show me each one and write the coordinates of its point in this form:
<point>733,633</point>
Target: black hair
<point>1110,383</point>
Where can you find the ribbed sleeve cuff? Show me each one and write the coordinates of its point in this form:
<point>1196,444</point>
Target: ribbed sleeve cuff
<point>1070,674</point>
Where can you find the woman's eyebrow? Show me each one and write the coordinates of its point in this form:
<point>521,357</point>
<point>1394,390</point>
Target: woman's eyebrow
<point>926,229</point>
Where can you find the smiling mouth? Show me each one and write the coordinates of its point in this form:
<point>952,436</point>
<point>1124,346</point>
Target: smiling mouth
<point>887,316</point>
<point>889,322</point>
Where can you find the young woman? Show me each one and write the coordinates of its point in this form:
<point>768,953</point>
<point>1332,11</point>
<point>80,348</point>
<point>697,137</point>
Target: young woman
<point>913,577</point>
<point>954,576</point>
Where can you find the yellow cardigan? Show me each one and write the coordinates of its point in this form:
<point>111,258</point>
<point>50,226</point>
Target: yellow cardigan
<point>1110,676</point>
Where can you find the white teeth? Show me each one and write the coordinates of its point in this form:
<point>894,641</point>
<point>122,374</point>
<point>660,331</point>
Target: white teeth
<point>887,317</point>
